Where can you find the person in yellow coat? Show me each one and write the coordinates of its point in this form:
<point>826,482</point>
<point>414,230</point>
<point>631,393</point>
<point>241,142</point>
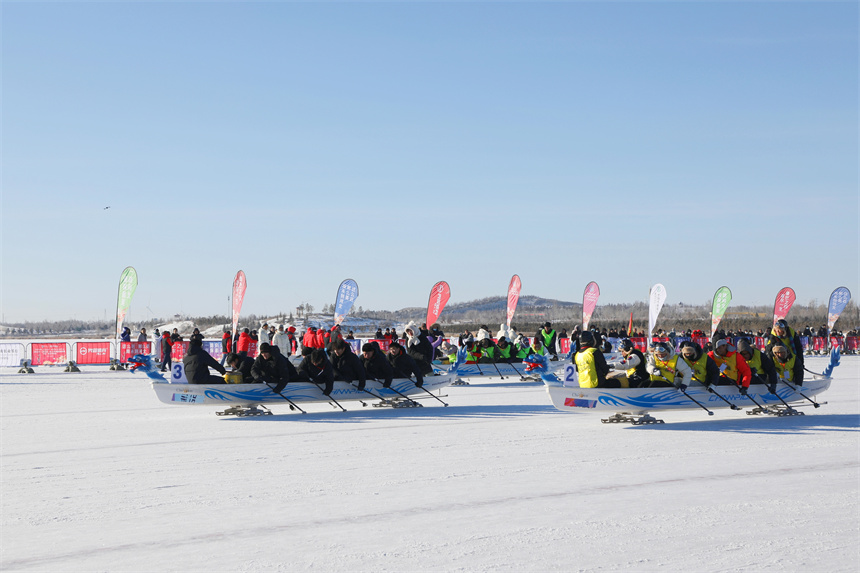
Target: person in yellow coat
<point>591,364</point>
<point>667,368</point>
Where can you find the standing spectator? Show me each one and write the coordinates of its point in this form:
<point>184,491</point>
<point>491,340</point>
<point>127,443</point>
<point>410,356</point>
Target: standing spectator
<point>226,345</point>
<point>142,336</point>
<point>166,344</point>
<point>125,336</point>
<point>244,342</point>
<point>158,352</point>
<point>263,335</point>
<point>281,340</point>
<point>548,337</point>
<point>294,344</point>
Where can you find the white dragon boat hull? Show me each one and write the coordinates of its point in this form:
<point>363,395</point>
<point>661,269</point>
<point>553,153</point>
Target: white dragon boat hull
<point>644,400</point>
<point>298,392</point>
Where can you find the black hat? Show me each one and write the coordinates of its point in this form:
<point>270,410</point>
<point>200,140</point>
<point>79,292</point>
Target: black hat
<point>626,344</point>
<point>265,347</point>
<point>547,324</point>
<point>744,345</point>
<point>586,338</point>
<point>395,344</point>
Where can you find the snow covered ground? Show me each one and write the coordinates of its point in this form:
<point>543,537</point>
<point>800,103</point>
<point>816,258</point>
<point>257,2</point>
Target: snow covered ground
<point>97,475</point>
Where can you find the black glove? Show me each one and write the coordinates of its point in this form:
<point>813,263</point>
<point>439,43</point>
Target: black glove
<point>742,390</point>
<point>279,387</point>
<point>772,389</point>
<point>420,384</point>
<point>386,385</point>
<point>710,389</point>
<point>681,386</point>
<point>361,386</point>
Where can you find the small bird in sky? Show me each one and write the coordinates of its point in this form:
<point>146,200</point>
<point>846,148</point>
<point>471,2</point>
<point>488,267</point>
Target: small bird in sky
<point>106,208</point>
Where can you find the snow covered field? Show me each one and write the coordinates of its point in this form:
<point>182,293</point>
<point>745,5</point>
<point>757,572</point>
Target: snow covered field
<point>97,475</point>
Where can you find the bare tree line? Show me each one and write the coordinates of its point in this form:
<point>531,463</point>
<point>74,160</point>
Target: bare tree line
<point>531,312</point>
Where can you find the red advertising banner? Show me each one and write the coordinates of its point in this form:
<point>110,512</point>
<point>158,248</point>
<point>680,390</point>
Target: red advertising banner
<point>48,353</point>
<point>784,299</point>
<point>589,303</point>
<point>701,340</point>
<point>641,343</point>
<point>514,288</point>
<point>240,283</point>
<point>818,344</point>
<point>563,345</point>
<point>439,295</point>
<point>852,343</point>
<point>252,349</point>
<point>178,350</point>
<point>129,349</point>
<point>92,352</point>
<point>383,344</point>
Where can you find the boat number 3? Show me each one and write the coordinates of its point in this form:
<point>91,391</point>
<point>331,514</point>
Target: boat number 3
<point>176,372</point>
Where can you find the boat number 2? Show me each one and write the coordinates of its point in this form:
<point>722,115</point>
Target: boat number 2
<point>570,373</point>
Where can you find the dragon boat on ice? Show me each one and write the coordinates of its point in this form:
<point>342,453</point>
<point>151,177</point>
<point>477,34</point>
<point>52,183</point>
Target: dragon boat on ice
<point>634,405</point>
<point>253,399</point>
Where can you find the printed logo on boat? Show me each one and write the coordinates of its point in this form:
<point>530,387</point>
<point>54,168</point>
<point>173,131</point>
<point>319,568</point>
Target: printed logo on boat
<point>188,398</point>
<point>579,403</point>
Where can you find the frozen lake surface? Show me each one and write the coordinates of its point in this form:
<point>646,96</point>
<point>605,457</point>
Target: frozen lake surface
<point>97,475</point>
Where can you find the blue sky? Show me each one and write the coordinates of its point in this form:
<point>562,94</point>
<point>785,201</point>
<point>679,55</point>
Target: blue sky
<point>399,144</point>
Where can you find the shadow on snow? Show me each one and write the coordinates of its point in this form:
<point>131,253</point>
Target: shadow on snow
<point>358,413</point>
<point>761,424</point>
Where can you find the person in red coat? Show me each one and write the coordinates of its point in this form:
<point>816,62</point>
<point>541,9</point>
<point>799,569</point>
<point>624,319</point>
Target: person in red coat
<point>294,345</point>
<point>166,350</point>
<point>734,370</point>
<point>244,342</point>
<point>319,338</point>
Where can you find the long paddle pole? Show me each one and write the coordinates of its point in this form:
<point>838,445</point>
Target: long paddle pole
<point>293,405</point>
<point>684,392</point>
<point>497,367</point>
<point>793,387</point>
<point>394,390</point>
<point>377,396</point>
<point>713,391</point>
<point>428,391</point>
<point>738,386</point>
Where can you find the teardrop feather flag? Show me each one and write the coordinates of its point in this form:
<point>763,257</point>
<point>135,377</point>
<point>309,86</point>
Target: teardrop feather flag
<point>347,292</point>
<point>239,286</point>
<point>657,298</point>
<point>439,295</point>
<point>722,298</point>
<point>784,299</point>
<point>589,302</point>
<point>513,296</point>
<point>127,286</point>
<point>838,301</point>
